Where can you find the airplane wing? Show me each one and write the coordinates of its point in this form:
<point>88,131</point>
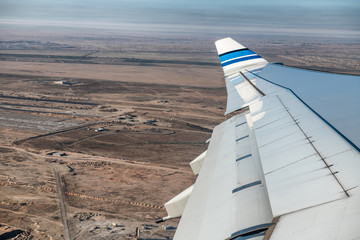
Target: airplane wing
<point>286,165</point>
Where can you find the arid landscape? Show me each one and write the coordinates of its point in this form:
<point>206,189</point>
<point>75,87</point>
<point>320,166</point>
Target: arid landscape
<point>97,130</point>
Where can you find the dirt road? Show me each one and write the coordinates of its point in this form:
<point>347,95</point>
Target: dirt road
<point>62,204</point>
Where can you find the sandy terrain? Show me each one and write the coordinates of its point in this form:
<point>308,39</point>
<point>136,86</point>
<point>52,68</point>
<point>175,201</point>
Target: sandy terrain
<point>156,119</point>
<point>157,101</point>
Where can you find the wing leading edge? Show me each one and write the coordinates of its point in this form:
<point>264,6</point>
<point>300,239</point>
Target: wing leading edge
<point>280,169</point>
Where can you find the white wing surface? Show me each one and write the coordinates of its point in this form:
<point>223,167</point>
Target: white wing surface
<point>287,166</point>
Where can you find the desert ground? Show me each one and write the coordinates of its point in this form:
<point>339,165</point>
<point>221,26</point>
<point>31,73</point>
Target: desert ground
<point>97,130</point>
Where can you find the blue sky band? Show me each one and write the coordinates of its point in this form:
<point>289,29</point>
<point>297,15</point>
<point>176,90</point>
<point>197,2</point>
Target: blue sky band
<point>239,60</point>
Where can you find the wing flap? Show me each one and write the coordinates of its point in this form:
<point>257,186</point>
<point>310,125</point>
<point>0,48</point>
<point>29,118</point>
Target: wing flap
<point>297,175</point>
<point>230,175</point>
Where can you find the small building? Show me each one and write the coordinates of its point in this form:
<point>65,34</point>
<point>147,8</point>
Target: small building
<point>63,83</point>
<point>59,154</point>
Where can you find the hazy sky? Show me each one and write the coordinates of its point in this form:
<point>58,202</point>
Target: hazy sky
<point>319,17</point>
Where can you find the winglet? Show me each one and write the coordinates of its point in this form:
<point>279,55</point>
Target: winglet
<point>234,57</point>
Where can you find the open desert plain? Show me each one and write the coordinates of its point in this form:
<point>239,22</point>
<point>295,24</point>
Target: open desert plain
<point>97,129</point>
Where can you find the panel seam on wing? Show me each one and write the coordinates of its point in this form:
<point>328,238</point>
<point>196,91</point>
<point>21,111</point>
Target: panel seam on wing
<point>313,146</point>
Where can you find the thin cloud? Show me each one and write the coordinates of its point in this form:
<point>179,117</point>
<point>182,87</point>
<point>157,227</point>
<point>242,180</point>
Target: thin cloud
<point>206,16</point>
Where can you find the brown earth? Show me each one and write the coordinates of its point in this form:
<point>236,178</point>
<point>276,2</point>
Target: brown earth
<point>156,119</point>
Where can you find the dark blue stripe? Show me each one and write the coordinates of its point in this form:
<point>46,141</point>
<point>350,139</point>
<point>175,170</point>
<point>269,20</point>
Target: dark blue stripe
<point>246,230</point>
<point>239,60</point>
<point>242,138</point>
<point>246,186</point>
<point>252,236</point>
<point>240,53</point>
<point>243,157</point>
<point>317,114</point>
<point>236,50</point>
<point>240,124</point>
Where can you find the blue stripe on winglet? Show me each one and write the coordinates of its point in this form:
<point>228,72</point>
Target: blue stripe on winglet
<point>239,53</point>
<point>239,60</point>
